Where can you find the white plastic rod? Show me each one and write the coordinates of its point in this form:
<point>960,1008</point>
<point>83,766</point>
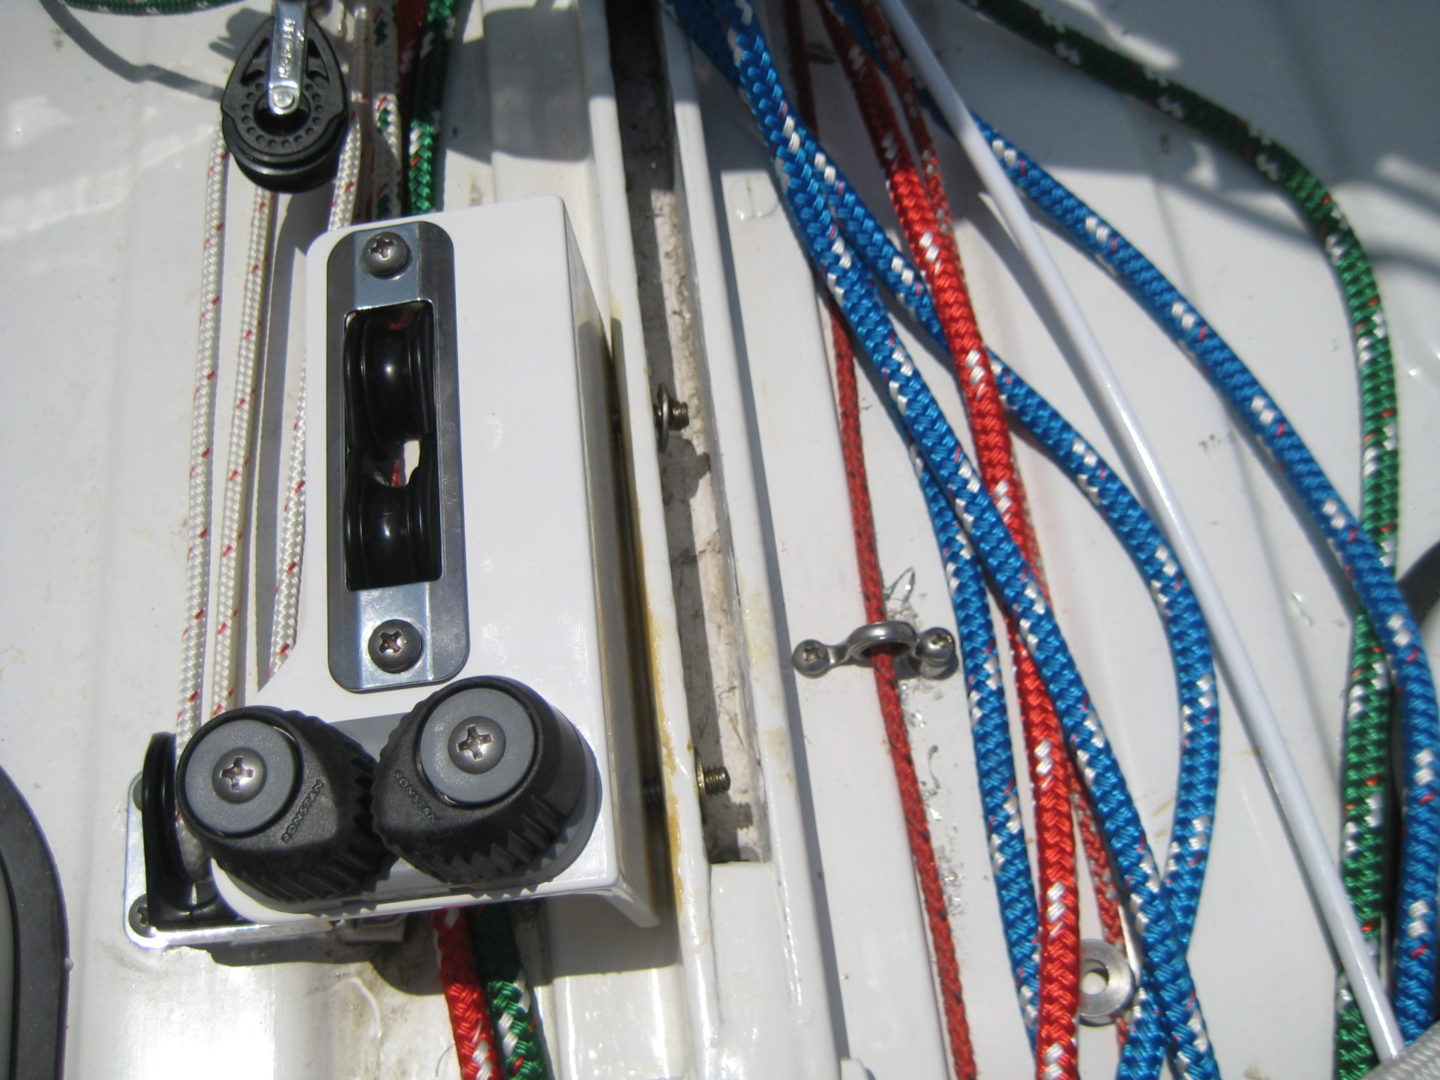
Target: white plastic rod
<point>1108,398</point>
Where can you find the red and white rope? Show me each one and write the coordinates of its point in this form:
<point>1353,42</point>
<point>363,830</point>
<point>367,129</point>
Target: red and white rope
<point>921,204</point>
<point>475,1046</point>
<point>862,519</point>
<point>234,532</point>
<point>290,545</point>
<point>202,441</point>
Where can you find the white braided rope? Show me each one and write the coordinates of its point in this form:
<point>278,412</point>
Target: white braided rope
<point>290,548</point>
<point>249,359</point>
<point>202,434</point>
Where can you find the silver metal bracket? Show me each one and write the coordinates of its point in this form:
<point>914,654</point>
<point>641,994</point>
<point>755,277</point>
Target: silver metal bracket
<point>414,633</point>
<point>287,57</point>
<point>929,654</point>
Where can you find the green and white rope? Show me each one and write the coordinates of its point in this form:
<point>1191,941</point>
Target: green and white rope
<point>424,171</point>
<point>512,1009</point>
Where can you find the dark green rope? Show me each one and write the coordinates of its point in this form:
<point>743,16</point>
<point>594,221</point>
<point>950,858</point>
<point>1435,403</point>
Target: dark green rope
<point>512,1011</point>
<point>1365,768</point>
<point>424,172</point>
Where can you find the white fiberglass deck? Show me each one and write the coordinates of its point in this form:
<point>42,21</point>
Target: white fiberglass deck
<point>807,950</point>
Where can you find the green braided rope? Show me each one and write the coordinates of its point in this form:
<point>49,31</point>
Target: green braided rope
<point>1366,751</point>
<point>424,174</point>
<point>145,7</point>
<point>522,1048</point>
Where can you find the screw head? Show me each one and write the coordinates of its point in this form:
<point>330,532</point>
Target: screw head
<point>139,916</point>
<point>477,745</point>
<point>671,414</point>
<point>713,780</point>
<point>811,658</point>
<point>239,776</point>
<point>386,254</point>
<point>935,646</point>
<point>395,646</point>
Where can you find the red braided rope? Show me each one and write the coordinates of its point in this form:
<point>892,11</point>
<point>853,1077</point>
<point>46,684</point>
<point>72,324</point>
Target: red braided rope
<point>475,1044</point>
<point>917,826</point>
<point>1102,879</point>
<point>923,210</point>
<point>1107,894</point>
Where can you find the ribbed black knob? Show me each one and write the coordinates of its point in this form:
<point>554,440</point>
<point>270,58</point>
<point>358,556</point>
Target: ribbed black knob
<point>478,782</point>
<point>282,802</point>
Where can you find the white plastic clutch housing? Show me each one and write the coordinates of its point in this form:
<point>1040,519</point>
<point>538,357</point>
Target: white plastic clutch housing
<point>537,512</point>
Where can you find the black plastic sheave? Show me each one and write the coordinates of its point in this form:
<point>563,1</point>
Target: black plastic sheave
<point>391,520</point>
<point>478,782</point>
<point>281,801</point>
<point>298,151</point>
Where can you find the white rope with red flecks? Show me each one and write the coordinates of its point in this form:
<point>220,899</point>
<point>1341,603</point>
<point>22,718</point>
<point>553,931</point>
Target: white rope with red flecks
<point>290,548</point>
<point>240,461</point>
<point>202,433</point>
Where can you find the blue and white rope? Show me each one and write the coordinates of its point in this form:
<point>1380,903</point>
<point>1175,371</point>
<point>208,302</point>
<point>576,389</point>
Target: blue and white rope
<point>854,291</point>
<point>990,731</point>
<point>1362,560</point>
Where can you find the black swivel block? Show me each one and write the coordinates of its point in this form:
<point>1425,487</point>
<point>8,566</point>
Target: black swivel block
<point>281,801</point>
<point>478,782</point>
<point>296,151</point>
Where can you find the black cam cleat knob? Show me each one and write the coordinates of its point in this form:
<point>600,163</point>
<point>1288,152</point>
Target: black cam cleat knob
<point>298,149</point>
<point>282,802</point>
<point>479,782</point>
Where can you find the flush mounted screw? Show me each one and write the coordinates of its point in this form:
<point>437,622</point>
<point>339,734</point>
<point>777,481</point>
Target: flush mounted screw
<point>671,414</point>
<point>395,646</point>
<point>239,776</point>
<point>386,254</point>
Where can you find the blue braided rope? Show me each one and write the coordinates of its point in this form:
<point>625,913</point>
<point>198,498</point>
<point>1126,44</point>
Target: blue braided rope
<point>1184,624</point>
<point>903,282</point>
<point>994,755</point>
<point>1363,562</point>
<point>1189,642</point>
<point>915,408</point>
<point>1197,774</point>
<point>990,728</point>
